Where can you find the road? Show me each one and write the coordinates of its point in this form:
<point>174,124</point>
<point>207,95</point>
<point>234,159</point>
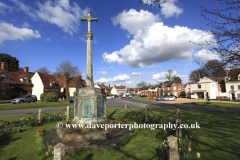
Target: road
<point>132,103</point>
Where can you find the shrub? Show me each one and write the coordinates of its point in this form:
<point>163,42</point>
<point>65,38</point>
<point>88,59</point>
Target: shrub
<point>51,97</point>
<point>42,96</point>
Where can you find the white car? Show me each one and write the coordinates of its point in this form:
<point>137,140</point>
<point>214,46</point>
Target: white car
<point>110,97</point>
<point>130,96</point>
<point>124,96</point>
<point>169,98</point>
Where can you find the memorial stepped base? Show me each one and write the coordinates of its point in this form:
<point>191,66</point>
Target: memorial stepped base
<point>94,139</point>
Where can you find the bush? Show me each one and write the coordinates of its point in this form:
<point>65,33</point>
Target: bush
<point>51,97</point>
<point>42,96</point>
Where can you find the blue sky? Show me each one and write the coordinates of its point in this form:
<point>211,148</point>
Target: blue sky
<point>131,42</point>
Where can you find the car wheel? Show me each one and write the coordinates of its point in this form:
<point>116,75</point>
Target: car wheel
<point>21,102</point>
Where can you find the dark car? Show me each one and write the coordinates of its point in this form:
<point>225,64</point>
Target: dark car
<point>143,95</point>
<point>25,99</point>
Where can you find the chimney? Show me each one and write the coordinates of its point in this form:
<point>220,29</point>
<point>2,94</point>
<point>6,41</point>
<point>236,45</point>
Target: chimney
<point>121,85</point>
<point>109,85</point>
<point>58,75</point>
<point>114,85</point>
<point>4,66</point>
<point>80,76</point>
<point>26,69</point>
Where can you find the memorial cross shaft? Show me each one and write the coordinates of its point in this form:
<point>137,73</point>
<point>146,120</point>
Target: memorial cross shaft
<point>89,37</point>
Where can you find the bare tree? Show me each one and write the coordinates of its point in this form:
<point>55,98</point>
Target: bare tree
<point>214,68</point>
<point>68,70</point>
<point>226,32</point>
<point>44,70</point>
<point>152,2</point>
<point>195,75</point>
<point>170,74</point>
<point>142,84</point>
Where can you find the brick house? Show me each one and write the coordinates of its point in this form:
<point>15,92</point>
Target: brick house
<point>145,91</point>
<point>14,83</point>
<point>108,89</point>
<point>172,87</point>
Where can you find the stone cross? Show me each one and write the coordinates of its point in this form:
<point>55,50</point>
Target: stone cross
<point>89,37</point>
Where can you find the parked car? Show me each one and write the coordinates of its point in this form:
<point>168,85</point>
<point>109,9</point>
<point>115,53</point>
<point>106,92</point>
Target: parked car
<point>175,97</point>
<point>124,96</point>
<point>130,96</point>
<point>143,95</point>
<point>71,99</point>
<point>25,99</point>
<point>110,97</point>
<point>159,98</point>
<point>169,98</point>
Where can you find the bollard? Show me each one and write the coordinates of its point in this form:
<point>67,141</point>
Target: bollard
<point>178,122</point>
<point>146,114</point>
<point>68,113</point>
<point>40,116</point>
<point>126,109</point>
<point>59,152</point>
<point>173,153</point>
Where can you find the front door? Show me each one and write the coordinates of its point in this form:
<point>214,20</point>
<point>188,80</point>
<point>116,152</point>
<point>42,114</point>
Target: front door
<point>233,96</point>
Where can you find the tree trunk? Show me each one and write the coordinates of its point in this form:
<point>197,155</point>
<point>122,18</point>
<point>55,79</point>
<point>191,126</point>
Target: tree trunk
<point>67,93</point>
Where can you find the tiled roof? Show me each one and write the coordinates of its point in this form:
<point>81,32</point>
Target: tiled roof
<point>119,87</point>
<point>233,73</point>
<point>144,88</point>
<point>15,75</point>
<point>219,79</point>
<point>72,81</point>
<point>47,78</point>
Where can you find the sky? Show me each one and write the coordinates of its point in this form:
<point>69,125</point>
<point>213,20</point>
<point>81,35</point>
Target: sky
<point>131,42</point>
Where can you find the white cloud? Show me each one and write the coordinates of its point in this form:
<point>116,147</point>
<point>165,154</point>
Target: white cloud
<point>153,44</point>
<point>26,25</point>
<point>203,56</point>
<point>46,39</point>
<point>155,66</point>
<point>131,83</point>
<point>133,21</point>
<point>26,9</point>
<point>111,68</point>
<point>175,64</point>
<point>9,32</point>
<point>102,72</point>
<point>160,77</point>
<point>136,74</point>
<point>4,6</point>
<point>128,36</point>
<point>102,68</point>
<point>169,9</point>
<point>62,14</point>
<point>115,79</point>
<point>83,39</point>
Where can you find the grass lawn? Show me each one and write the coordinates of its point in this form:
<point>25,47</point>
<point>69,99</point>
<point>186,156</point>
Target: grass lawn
<point>34,105</point>
<point>5,100</point>
<point>218,138</point>
<point>216,105</point>
<point>145,98</point>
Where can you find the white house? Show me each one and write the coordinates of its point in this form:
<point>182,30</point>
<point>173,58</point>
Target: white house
<point>103,89</point>
<point>206,87</point>
<point>44,83</point>
<point>232,83</point>
<point>118,90</point>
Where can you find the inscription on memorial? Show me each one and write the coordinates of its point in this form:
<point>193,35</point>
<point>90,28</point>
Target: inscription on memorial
<point>76,107</point>
<point>101,108</point>
<point>87,108</point>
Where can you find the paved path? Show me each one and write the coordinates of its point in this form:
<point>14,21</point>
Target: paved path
<point>154,104</point>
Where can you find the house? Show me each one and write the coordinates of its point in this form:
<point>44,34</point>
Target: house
<point>156,90</point>
<point>145,91</point>
<point>187,89</point>
<point>103,89</point>
<point>232,83</point>
<point>74,83</point>
<point>44,83</point>
<point>49,83</point>
<point>108,89</point>
<point>207,87</point>
<point>118,90</point>
<point>172,88</point>
<point>14,83</point>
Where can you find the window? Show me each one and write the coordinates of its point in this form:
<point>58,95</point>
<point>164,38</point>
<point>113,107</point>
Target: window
<point>189,89</point>
<point>199,86</point>
<point>179,87</point>
<point>238,96</point>
<point>25,81</point>
<point>163,88</point>
<point>232,87</point>
<point>168,93</point>
<point>238,87</point>
<point>168,88</point>
<point>174,87</point>
<point>2,78</point>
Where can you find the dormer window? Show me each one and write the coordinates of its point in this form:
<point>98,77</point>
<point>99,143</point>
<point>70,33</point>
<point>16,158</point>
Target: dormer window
<point>227,79</point>
<point>2,78</point>
<point>52,84</point>
<point>25,80</point>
